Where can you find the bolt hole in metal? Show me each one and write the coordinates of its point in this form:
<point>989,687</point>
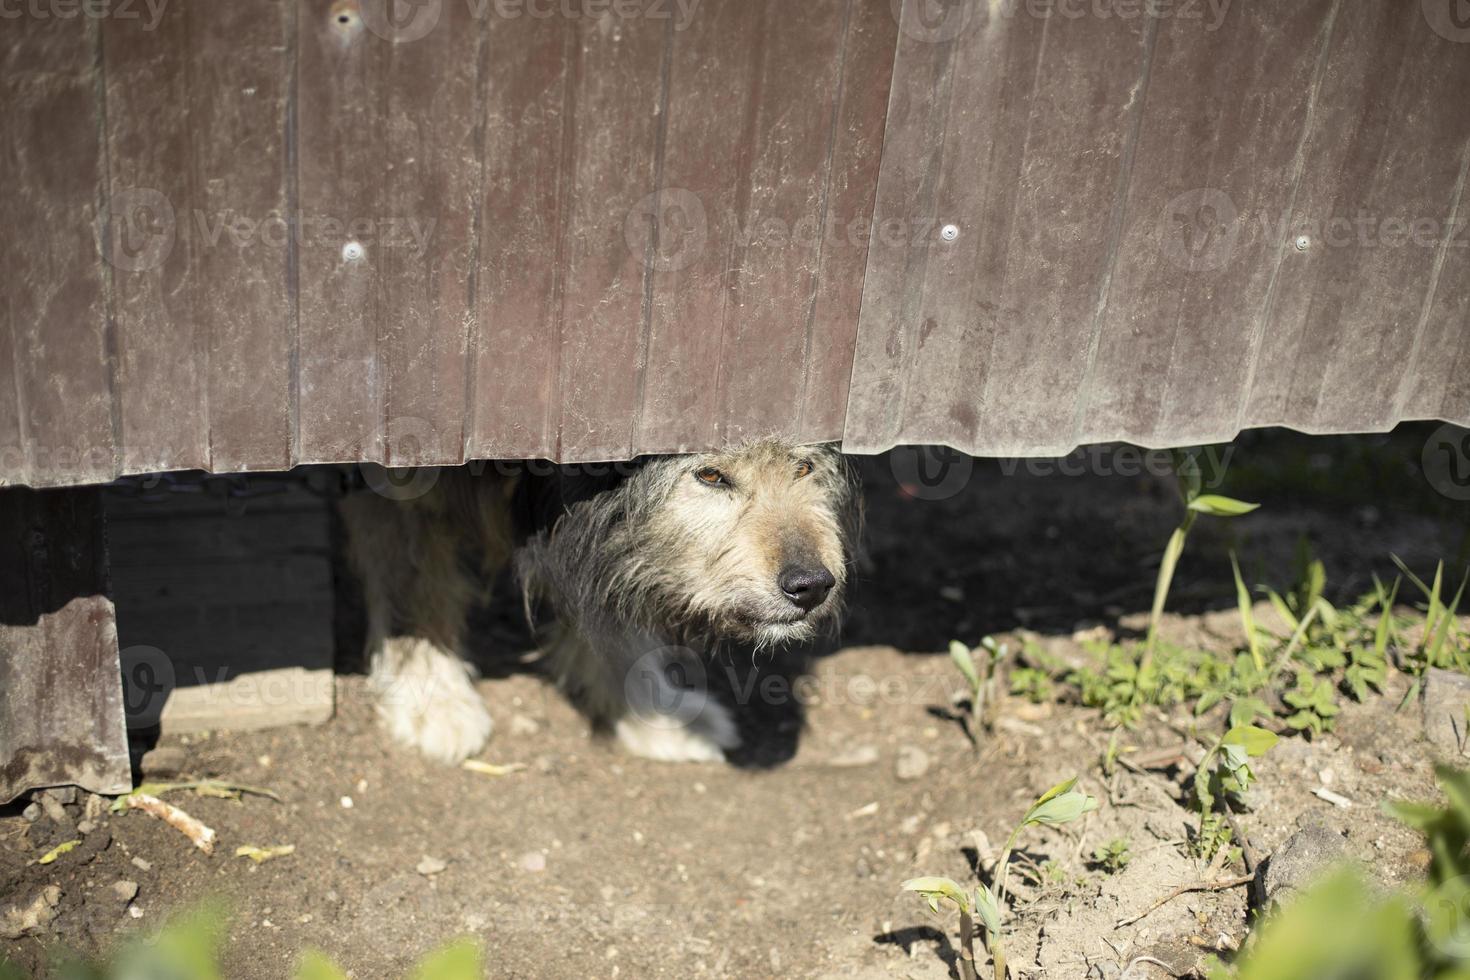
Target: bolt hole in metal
<point>346,20</point>
<point>949,232</point>
<point>352,252</point>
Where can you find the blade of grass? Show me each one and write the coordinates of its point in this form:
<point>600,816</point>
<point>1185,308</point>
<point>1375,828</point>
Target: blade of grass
<point>1247,619</point>
<point>1172,551</point>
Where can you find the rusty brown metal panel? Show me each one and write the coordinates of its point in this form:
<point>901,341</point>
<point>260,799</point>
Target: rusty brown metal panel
<point>1438,382</point>
<point>1212,174</point>
<point>427,166</point>
<point>200,285</point>
<point>1015,130</point>
<point>1386,148</point>
<point>1171,180</point>
<point>852,178</point>
<point>162,347</point>
<point>519,191</point>
<point>526,141</point>
<point>685,228</point>
<point>775,120</point>
<point>342,119</point>
<point>55,221</point>
<point>241,65</point>
<point>781,207</point>
<point>619,97</point>
<point>61,704</point>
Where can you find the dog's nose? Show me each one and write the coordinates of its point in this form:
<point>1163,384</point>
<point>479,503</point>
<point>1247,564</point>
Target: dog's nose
<point>806,587</point>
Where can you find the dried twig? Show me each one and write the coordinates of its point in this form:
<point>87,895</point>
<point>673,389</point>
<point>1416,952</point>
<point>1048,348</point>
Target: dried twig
<point>1199,886</point>
<point>202,836</point>
<point>1247,849</point>
<point>1128,970</point>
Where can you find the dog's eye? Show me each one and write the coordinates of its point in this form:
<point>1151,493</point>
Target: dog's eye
<point>803,468</point>
<point>710,476</point>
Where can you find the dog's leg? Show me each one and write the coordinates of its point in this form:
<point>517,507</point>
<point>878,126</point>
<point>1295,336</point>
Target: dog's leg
<point>654,696</point>
<point>406,556</point>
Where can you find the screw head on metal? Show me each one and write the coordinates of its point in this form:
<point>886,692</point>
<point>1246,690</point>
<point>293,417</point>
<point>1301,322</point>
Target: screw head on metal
<point>949,232</point>
<point>1303,243</point>
<point>352,251</point>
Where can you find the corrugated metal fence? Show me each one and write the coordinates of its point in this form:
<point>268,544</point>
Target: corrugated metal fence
<point>240,236</point>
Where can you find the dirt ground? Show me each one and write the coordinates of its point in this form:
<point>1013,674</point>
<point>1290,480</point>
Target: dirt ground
<point>592,863</point>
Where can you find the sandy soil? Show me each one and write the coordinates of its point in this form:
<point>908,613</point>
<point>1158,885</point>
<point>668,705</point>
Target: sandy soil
<point>592,863</point>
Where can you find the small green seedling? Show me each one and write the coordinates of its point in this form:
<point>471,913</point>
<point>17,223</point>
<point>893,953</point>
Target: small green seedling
<point>1062,804</point>
<point>1113,856</point>
<point>977,679</point>
<point>1225,775</point>
<point>1032,684</point>
<point>1186,468</point>
<point>1314,704</point>
<point>1247,618</point>
<point>1441,646</point>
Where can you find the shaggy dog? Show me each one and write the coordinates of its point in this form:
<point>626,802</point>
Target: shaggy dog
<point>645,567</point>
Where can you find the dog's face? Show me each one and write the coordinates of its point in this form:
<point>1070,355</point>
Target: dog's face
<point>753,541</point>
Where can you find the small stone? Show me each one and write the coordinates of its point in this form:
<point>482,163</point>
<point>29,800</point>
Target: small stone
<point>142,865</point>
<point>524,725</point>
<point>533,861</point>
<point>52,805</point>
<point>1445,698</point>
<point>32,812</point>
<point>430,866</point>
<point>125,891</point>
<point>135,912</point>
<point>346,802</point>
<point>913,763</point>
<point>33,916</point>
<point>860,755</point>
<point>1299,862</point>
<point>85,827</point>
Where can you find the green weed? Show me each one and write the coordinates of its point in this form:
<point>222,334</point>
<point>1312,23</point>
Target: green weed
<point>1062,804</point>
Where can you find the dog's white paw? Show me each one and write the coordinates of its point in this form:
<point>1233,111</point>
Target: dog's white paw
<point>667,739</point>
<point>427,701</point>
